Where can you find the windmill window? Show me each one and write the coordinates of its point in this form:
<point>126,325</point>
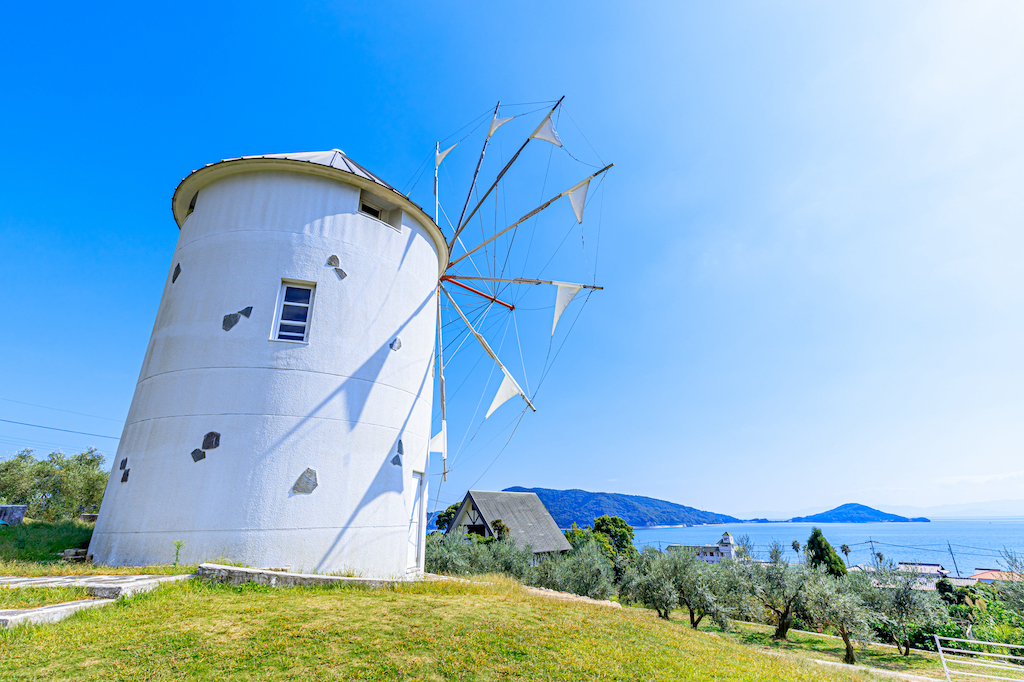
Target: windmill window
<point>371,210</point>
<point>294,312</point>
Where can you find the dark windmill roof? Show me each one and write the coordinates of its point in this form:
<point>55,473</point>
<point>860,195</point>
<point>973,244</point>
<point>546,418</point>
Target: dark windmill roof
<point>525,515</point>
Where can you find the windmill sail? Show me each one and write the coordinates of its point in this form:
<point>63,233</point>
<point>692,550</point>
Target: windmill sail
<point>546,131</point>
<point>566,292</point>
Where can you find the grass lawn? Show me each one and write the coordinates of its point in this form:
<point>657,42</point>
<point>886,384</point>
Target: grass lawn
<point>33,597</point>
<point>805,645</point>
<point>30,549</point>
<point>33,540</point>
<point>429,631</point>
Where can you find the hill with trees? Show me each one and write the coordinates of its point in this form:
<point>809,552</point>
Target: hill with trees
<point>855,513</point>
<point>582,507</point>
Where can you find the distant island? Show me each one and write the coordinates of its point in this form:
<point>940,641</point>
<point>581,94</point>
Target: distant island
<point>581,507</point>
<point>855,513</point>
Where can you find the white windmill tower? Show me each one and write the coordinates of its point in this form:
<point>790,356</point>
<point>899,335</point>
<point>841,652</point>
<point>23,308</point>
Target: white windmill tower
<point>283,411</point>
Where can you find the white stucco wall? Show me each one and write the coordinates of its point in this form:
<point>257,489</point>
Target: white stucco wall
<point>338,405</point>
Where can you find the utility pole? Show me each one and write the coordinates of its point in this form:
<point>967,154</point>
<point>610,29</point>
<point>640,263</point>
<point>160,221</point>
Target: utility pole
<point>954,558</point>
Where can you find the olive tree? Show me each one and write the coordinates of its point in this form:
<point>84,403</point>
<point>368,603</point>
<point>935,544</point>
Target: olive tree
<point>698,587</point>
<point>835,602</point>
<point>777,586</point>
<point>899,606</point>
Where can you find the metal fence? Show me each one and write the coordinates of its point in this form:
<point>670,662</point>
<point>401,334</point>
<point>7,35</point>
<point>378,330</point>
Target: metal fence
<point>973,658</point>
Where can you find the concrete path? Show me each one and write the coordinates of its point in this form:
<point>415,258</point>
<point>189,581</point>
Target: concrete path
<point>236,575</point>
<point>105,588</point>
<point>102,586</point>
<point>9,618</point>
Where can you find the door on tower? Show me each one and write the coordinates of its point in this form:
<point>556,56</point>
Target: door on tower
<point>415,524</point>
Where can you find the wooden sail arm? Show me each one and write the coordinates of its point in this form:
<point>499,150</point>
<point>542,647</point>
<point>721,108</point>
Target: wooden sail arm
<point>487,348</point>
<point>479,162</point>
<point>521,280</point>
<point>504,170</point>
<point>446,278</point>
<point>528,216</point>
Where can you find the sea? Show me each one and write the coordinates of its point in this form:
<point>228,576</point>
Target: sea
<point>961,545</point>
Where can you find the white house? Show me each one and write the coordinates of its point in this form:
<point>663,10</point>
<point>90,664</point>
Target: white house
<point>712,554</point>
<point>282,414</point>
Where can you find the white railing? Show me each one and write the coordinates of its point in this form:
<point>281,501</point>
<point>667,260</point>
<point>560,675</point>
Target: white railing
<point>953,653</point>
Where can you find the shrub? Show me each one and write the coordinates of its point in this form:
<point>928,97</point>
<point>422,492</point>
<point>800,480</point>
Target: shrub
<point>585,571</point>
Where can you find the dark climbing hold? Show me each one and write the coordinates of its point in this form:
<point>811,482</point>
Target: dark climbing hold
<point>340,273</point>
<point>124,463</point>
<point>177,271</point>
<point>245,312</point>
<point>124,476</point>
<point>197,455</point>
<point>230,320</point>
<point>211,440</point>
<point>333,262</point>
<point>401,450</point>
<point>397,460</point>
<point>306,482</point>
<point>396,344</point>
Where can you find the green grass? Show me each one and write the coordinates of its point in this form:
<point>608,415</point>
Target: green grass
<point>33,540</point>
<point>34,597</point>
<point>812,646</point>
<point>423,631</point>
<point>34,569</point>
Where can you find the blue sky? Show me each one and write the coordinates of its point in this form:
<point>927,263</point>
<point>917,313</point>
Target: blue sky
<point>810,243</point>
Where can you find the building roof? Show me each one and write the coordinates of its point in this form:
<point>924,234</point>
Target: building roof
<point>927,569</point>
<point>333,164</point>
<point>527,519</point>
<point>994,574</point>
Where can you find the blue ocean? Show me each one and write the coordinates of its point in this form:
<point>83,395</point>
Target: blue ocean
<point>960,545</point>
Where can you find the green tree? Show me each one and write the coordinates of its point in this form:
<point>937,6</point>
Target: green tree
<point>445,518</point>
<point>619,533</point>
<point>59,487</point>
<point>697,587</point>
<point>649,582</point>
<point>845,549</point>
<point>777,586</point>
<point>501,531</point>
<point>820,553</point>
<point>578,537</point>
<point>833,601</point>
<point>901,608</point>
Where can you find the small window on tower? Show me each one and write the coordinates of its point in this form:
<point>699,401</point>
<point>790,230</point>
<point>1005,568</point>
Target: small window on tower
<point>293,312</point>
<point>371,210</point>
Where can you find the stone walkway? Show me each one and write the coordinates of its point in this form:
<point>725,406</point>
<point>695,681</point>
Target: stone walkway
<point>104,589</point>
<point>100,586</point>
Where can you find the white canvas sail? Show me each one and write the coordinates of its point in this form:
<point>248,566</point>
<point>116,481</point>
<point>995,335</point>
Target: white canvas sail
<point>566,292</point>
<point>508,389</point>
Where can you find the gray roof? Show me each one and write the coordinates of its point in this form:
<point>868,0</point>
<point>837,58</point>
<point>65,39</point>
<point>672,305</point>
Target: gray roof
<point>527,519</point>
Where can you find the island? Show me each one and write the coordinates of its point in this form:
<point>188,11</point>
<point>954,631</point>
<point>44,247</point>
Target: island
<point>856,513</point>
<point>582,507</point>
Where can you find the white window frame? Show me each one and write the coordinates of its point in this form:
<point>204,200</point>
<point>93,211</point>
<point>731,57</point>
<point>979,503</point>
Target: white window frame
<point>382,212</point>
<point>298,284</point>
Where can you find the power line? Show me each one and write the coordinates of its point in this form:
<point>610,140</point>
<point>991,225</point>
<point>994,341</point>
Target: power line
<point>57,409</point>
<point>52,428</point>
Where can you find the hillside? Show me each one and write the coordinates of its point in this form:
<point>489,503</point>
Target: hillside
<point>582,507</point>
<point>855,513</point>
<point>431,630</point>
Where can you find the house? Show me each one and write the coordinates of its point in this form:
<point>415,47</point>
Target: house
<point>930,571</point>
<point>525,516</point>
<point>989,575</point>
<point>712,554</point>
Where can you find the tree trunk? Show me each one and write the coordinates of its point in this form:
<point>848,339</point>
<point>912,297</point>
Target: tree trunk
<point>785,622</point>
<point>697,622</point>
<point>850,656</point>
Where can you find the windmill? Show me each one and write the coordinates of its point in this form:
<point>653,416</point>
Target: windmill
<point>467,280</point>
